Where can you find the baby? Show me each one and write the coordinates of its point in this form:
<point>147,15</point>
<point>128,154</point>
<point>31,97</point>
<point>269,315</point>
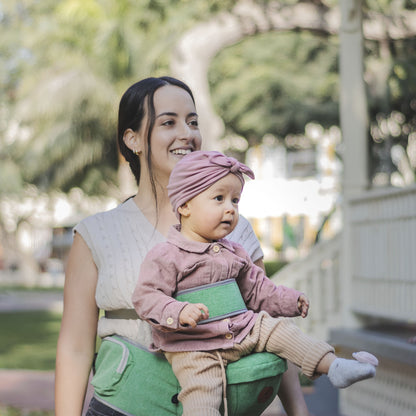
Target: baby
<point>205,189</point>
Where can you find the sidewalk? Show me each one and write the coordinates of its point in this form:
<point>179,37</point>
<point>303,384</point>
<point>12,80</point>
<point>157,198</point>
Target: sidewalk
<point>29,390</point>
<point>25,389</point>
<point>11,300</point>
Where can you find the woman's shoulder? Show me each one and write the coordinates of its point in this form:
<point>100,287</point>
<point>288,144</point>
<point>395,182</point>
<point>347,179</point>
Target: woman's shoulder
<point>103,218</point>
<point>104,233</point>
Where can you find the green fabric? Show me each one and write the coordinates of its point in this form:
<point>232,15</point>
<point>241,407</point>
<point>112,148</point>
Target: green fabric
<point>222,299</point>
<point>252,382</point>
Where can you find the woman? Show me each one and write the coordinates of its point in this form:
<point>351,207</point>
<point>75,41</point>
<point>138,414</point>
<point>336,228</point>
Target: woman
<point>157,125</point>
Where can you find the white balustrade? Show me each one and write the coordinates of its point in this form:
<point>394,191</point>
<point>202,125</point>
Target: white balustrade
<point>383,256</point>
<point>317,276</point>
<point>383,251</point>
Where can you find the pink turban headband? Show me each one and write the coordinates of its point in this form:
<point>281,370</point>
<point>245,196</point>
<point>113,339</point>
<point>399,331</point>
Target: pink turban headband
<point>197,171</point>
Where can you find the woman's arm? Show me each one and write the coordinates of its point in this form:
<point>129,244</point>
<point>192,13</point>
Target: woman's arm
<point>76,342</point>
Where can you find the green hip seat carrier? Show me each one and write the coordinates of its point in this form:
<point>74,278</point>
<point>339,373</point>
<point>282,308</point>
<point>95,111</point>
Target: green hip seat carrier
<point>137,382</point>
<point>132,380</point>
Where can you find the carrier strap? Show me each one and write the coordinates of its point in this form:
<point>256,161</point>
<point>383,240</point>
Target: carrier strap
<point>121,314</point>
<point>223,299</point>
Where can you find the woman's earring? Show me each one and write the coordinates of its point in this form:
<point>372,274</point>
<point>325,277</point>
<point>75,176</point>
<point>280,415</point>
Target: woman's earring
<point>137,152</point>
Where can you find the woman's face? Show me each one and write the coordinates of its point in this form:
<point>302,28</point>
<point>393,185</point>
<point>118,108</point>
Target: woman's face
<point>175,132</point>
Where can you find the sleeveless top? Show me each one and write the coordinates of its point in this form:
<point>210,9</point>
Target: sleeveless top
<point>119,240</point>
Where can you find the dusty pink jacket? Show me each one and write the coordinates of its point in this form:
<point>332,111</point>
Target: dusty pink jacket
<point>180,264</point>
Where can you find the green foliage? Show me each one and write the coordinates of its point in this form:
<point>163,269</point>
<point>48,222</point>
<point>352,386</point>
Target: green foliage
<point>392,106</point>
<point>273,267</point>
<point>305,381</point>
<point>276,83</point>
<point>10,176</point>
<point>29,339</point>
<point>69,62</point>
<point>64,65</point>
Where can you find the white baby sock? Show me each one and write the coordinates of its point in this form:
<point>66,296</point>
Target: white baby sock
<point>342,372</point>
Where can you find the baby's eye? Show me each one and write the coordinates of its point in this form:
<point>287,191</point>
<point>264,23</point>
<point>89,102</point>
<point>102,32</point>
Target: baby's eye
<point>219,198</point>
<point>236,200</point>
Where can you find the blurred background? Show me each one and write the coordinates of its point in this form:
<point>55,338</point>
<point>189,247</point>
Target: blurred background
<point>318,97</point>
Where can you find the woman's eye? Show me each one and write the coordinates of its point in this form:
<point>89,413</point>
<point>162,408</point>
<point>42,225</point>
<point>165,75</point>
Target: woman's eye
<point>194,123</point>
<point>167,123</point>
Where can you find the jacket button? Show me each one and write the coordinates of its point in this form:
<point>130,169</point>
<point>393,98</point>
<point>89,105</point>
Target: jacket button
<point>229,335</point>
<point>169,321</point>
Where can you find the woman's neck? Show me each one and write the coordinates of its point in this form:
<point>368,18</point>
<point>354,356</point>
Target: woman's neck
<point>161,218</point>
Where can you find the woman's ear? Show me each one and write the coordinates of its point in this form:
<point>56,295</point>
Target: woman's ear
<point>184,210</point>
<point>133,141</point>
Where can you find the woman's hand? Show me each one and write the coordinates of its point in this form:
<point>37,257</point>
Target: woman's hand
<point>303,306</point>
<point>192,313</point>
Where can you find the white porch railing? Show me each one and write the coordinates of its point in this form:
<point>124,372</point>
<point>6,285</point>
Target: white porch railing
<point>383,252</point>
<point>383,269</point>
<point>318,276</point>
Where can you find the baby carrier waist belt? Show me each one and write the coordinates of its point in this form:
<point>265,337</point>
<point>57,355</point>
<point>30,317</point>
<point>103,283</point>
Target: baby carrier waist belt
<point>223,299</point>
<point>122,314</point>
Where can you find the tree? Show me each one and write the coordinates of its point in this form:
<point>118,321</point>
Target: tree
<point>388,22</point>
<point>80,56</point>
<point>65,86</point>
<point>391,80</point>
<point>276,83</point>
<point>69,85</point>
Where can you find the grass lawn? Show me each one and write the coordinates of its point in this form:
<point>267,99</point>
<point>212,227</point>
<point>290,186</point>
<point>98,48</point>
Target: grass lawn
<point>28,339</point>
<point>10,411</point>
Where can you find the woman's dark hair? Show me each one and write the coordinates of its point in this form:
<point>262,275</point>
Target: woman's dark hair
<point>135,102</point>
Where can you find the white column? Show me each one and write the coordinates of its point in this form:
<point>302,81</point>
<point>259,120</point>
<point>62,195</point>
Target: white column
<point>353,103</point>
<point>354,129</point>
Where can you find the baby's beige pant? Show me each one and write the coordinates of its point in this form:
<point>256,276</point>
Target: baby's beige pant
<point>200,374</point>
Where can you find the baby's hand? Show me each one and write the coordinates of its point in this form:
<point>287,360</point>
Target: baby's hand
<point>303,306</point>
<point>192,313</point>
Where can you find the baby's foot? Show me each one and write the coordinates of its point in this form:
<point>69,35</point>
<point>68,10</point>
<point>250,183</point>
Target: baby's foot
<point>342,372</point>
<point>365,357</point>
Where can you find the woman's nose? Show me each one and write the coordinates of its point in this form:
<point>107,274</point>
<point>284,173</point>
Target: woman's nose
<point>185,132</point>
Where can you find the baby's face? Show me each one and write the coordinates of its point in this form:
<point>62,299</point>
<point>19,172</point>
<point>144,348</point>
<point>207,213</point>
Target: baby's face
<point>212,214</point>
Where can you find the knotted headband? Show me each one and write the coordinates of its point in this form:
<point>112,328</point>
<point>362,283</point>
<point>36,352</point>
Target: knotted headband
<point>197,171</point>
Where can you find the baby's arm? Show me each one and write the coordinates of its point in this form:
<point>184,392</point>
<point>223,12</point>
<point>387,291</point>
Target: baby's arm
<point>260,293</point>
<point>152,296</point>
